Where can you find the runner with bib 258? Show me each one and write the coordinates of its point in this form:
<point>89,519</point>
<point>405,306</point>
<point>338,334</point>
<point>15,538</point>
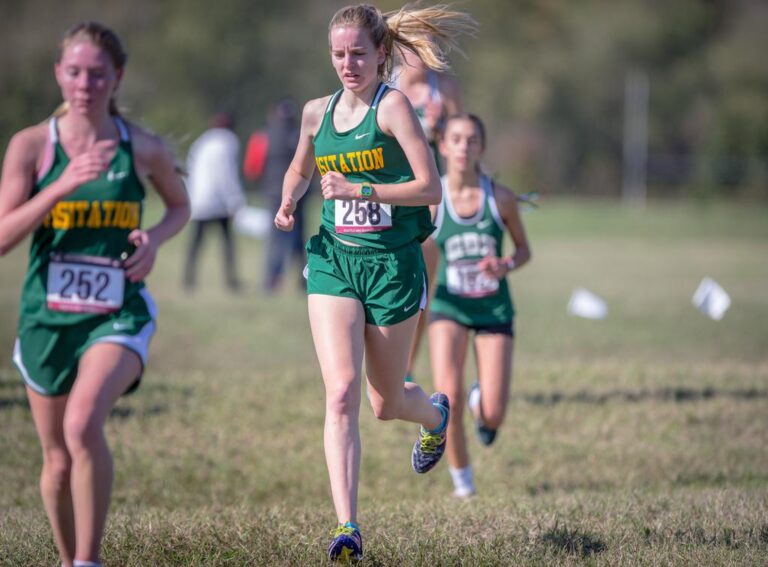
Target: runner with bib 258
<point>366,277</point>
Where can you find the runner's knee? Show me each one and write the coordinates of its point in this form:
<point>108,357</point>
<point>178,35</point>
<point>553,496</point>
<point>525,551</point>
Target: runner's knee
<point>384,409</point>
<point>56,466</point>
<point>342,399</point>
<point>81,432</point>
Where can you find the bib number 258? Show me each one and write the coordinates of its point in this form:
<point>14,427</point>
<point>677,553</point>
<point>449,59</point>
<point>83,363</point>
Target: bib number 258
<point>362,216</point>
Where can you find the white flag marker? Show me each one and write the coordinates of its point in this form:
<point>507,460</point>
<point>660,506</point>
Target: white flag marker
<point>711,299</point>
<point>584,303</point>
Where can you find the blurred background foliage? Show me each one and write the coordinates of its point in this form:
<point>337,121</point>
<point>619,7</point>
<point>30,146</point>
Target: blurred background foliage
<point>548,76</point>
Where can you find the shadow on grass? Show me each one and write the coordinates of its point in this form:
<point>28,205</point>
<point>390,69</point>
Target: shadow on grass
<point>10,382</point>
<point>128,412</point>
<point>6,403</point>
<point>677,395</point>
<point>116,413</point>
<point>573,541</point>
<point>683,479</point>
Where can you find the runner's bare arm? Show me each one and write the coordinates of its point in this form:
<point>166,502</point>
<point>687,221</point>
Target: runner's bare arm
<point>510,214</point>
<point>156,162</point>
<point>299,174</point>
<point>20,215</point>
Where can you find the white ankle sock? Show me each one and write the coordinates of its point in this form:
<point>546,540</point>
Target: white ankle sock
<point>79,563</point>
<point>462,480</point>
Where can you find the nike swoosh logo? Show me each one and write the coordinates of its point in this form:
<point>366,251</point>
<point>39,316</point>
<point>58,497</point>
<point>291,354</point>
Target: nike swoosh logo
<point>359,136</point>
<point>483,224</point>
<point>410,306</point>
<point>120,326</point>
<point>114,176</point>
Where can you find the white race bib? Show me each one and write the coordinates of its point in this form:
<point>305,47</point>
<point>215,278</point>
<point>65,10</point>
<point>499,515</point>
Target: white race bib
<point>85,284</point>
<point>464,278</point>
<point>359,215</point>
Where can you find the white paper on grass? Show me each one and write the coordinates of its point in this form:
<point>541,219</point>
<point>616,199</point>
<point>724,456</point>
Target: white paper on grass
<point>253,221</point>
<point>584,303</point>
<point>711,299</point>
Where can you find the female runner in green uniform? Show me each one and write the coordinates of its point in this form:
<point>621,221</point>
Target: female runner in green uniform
<point>76,185</point>
<point>471,292</point>
<point>366,281</point>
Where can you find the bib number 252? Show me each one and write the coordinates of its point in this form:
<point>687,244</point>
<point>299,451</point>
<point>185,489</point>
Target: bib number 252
<point>84,285</point>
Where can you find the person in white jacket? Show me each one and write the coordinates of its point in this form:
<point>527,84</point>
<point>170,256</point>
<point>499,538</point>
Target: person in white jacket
<point>215,192</point>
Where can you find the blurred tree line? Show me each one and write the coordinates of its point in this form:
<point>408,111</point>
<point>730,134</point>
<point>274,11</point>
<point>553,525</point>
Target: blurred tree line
<point>548,77</point>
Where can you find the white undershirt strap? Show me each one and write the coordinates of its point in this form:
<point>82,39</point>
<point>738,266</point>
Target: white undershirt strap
<point>49,151</point>
<point>53,131</point>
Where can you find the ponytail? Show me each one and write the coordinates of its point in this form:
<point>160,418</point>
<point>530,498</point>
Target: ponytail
<point>429,32</point>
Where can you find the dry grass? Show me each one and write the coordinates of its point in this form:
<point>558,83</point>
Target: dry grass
<point>639,440</point>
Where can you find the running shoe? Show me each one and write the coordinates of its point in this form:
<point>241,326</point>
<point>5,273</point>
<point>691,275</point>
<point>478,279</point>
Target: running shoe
<point>347,544</point>
<point>484,434</point>
<point>430,445</point>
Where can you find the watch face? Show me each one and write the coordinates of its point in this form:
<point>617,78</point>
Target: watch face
<point>366,190</point>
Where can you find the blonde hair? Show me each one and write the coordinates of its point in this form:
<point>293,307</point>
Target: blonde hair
<point>429,32</point>
<point>102,37</point>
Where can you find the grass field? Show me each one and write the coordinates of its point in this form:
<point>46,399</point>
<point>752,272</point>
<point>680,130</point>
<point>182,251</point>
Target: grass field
<point>638,440</point>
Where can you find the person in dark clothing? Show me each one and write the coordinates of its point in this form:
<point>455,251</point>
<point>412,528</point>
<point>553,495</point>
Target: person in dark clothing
<point>283,135</point>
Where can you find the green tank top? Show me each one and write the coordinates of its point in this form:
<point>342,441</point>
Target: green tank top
<point>365,153</point>
<point>463,293</point>
<point>75,258</point>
